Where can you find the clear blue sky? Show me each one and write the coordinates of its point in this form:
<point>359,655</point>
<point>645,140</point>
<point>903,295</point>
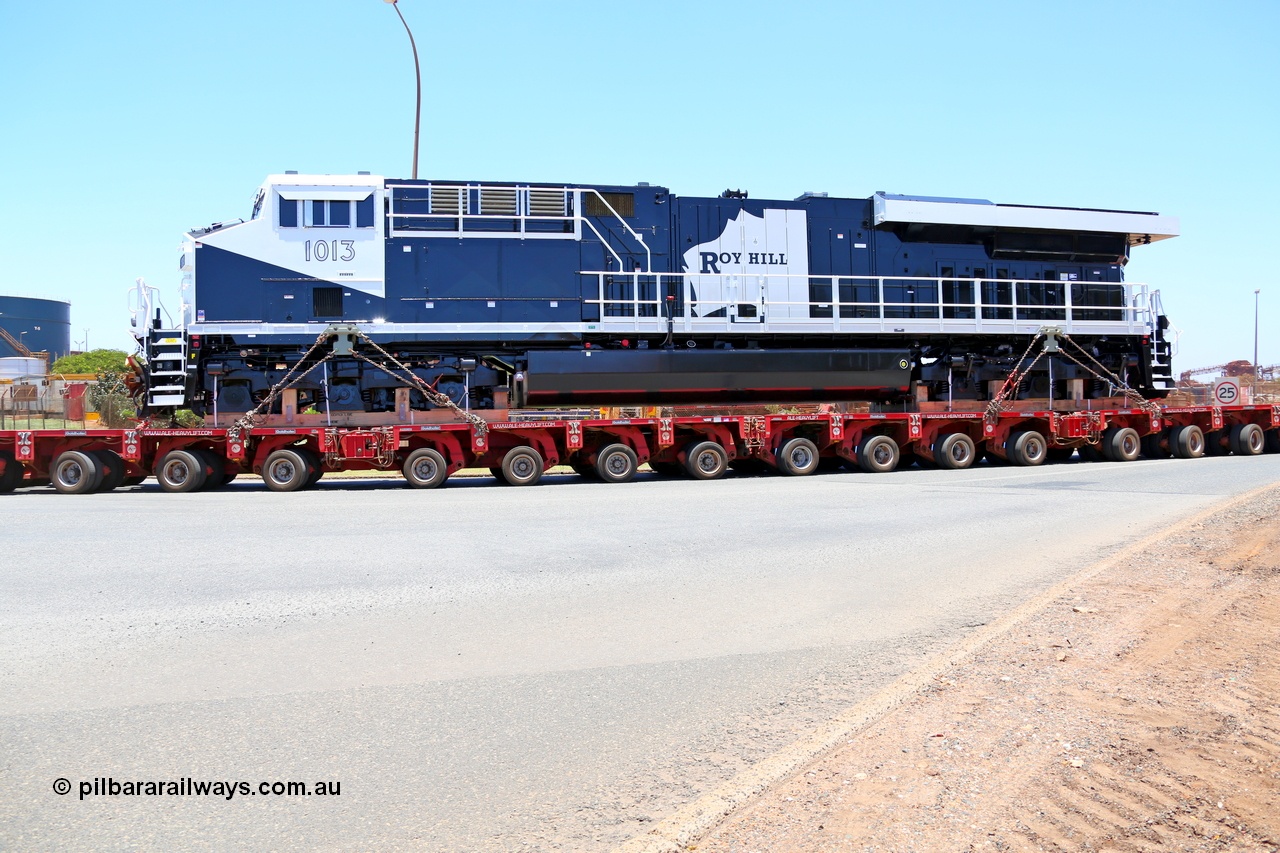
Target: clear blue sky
<point>126,123</point>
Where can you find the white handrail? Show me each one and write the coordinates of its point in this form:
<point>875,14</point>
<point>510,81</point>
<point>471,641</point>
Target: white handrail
<point>1132,316</point>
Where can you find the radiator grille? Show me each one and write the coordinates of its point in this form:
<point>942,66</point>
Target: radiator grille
<point>548,203</point>
<point>326,301</point>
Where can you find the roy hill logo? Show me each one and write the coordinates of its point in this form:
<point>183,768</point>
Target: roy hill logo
<point>711,261</point>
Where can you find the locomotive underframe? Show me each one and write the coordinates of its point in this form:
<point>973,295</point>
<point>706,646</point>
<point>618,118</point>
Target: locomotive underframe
<point>228,377</point>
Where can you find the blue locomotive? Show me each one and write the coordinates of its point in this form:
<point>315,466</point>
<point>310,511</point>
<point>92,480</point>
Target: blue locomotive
<point>524,294</point>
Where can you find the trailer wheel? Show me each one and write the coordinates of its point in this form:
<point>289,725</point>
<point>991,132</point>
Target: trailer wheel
<point>1215,443</point>
<point>706,460</point>
<point>1187,442</point>
<point>616,463</point>
<point>136,480</point>
<point>798,457</point>
<point>180,471</point>
<point>315,468</point>
<point>425,468</point>
<point>583,470</point>
<point>112,468</point>
<point>11,476</point>
<point>1273,441</point>
<point>75,473</point>
<point>1027,448</point>
<point>1090,453</point>
<point>1059,454</point>
<point>666,469</point>
<point>522,466</point>
<point>212,466</point>
<point>1247,440</point>
<point>878,454</point>
<point>1154,448</point>
<point>286,470</point>
<point>955,450</point>
<point>1121,444</point>
<point>750,467</point>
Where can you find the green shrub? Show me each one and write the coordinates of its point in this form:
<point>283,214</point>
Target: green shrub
<point>187,419</point>
<point>93,361</point>
<point>110,397</point>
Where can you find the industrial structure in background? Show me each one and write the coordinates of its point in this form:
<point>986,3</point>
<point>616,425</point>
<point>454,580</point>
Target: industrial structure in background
<point>1242,369</point>
<point>1261,382</point>
<point>33,328</point>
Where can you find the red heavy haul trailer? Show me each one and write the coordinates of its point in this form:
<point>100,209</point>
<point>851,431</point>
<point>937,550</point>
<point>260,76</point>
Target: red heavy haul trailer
<point>702,446</point>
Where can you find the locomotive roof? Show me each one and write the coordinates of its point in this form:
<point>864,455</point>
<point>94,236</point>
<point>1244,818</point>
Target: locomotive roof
<point>1137,226</point>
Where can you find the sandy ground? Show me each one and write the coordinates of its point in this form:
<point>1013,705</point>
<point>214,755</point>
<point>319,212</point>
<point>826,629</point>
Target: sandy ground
<point>1139,712</point>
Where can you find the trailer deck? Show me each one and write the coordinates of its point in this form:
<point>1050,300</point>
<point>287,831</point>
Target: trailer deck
<point>703,446</point>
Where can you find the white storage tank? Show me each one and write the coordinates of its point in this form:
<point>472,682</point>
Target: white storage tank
<point>21,368</point>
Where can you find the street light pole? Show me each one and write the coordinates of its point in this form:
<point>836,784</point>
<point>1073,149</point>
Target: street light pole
<point>1255,343</point>
<point>417,71</point>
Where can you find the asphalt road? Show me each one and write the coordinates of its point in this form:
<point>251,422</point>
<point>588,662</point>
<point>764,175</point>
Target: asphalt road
<point>492,668</point>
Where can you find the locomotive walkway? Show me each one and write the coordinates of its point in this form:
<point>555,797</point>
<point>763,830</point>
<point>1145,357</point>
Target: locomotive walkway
<point>501,669</point>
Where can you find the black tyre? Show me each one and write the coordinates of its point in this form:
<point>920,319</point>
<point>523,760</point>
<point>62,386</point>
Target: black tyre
<point>831,463</point>
<point>1060,454</point>
<point>798,457</point>
<point>136,480</point>
<point>1272,440</point>
<point>425,468</point>
<point>994,459</point>
<point>1216,443</point>
<point>286,470</point>
<point>74,473</point>
<point>616,463</point>
<point>750,466</point>
<point>1247,440</point>
<point>180,471</point>
<point>1121,444</point>
<point>584,469</point>
<point>878,454</point>
<point>955,451</point>
<point>706,460</point>
<point>214,478</point>
<point>522,466</point>
<point>909,459</point>
<point>1187,442</point>
<point>112,468</point>
<point>316,466</point>
<point>10,472</point>
<point>1090,453</point>
<point>1157,445</point>
<point>1027,447</point>
<point>666,469</point>
<point>497,472</point>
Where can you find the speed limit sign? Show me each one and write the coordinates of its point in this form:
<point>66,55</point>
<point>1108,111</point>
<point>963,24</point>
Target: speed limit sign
<point>1226,391</point>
